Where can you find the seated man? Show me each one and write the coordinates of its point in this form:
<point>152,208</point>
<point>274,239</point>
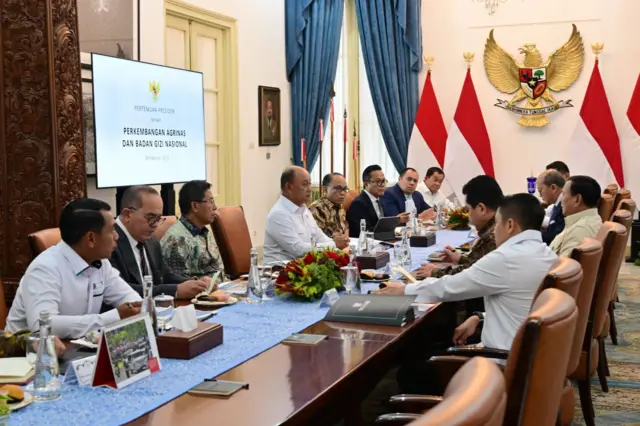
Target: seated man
<point>403,197</point>
<point>580,197</point>
<point>328,212</point>
<point>290,225</point>
<point>432,196</point>
<point>138,252</point>
<point>561,167</point>
<point>73,278</point>
<point>367,205</point>
<point>507,278</point>
<point>188,247</point>
<point>483,197</point>
<point>550,184</point>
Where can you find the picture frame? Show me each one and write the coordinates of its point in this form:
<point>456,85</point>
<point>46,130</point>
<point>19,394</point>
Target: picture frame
<point>87,114</point>
<point>269,123</point>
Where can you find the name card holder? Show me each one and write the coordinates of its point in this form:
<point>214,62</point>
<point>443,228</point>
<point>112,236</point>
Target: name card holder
<point>374,261</point>
<point>180,345</point>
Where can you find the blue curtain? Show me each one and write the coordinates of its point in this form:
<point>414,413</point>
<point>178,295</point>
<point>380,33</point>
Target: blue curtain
<point>312,37</point>
<point>391,40</point>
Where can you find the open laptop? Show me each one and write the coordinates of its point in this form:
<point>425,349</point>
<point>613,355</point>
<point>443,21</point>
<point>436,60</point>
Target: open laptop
<point>385,228</point>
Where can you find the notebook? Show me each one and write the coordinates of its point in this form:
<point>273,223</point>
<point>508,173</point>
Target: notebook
<point>15,370</point>
<point>304,339</point>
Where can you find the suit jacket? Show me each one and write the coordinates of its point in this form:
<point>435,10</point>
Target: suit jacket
<point>394,199</point>
<point>556,225</point>
<point>362,208</point>
<point>123,259</point>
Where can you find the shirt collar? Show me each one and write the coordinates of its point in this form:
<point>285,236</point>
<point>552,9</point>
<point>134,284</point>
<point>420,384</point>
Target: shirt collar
<point>574,218</point>
<point>289,205</point>
<point>488,227</point>
<point>559,200</point>
<point>192,228</point>
<point>374,199</point>
<point>78,264</point>
<point>529,234</point>
<point>132,241</point>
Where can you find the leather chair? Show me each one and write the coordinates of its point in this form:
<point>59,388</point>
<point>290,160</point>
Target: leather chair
<point>536,367</point>
<point>612,189</point>
<point>628,204</point>
<point>234,241</point>
<point>623,194</point>
<point>476,396</point>
<point>42,240</point>
<point>349,198</point>
<point>605,207</point>
<point>612,237</point>
<point>164,226</point>
<point>625,218</point>
<point>588,254</point>
<point>565,275</point>
<point>3,308</point>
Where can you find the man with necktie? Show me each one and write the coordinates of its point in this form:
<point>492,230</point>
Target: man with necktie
<point>550,184</point>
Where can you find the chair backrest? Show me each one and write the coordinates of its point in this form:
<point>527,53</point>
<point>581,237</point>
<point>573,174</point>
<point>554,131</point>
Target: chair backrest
<point>605,207</point>
<point>162,229</point>
<point>539,359</point>
<point>623,194</point>
<point>234,241</point>
<point>628,204</point>
<point>623,217</point>
<point>565,275</point>
<point>42,240</point>
<point>613,237</point>
<point>349,198</point>
<point>475,396</point>
<point>3,308</point>
<point>589,254</point>
<point>612,189</point>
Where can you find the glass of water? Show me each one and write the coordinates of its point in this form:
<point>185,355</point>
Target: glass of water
<point>266,281</point>
<point>350,278</point>
<point>165,309</point>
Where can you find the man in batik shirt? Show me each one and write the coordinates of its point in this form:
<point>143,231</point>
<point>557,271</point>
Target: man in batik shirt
<point>328,211</point>
<point>188,247</point>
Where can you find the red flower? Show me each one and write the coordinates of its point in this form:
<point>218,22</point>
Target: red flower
<point>333,255</point>
<point>309,259</point>
<point>294,268</point>
<point>283,277</point>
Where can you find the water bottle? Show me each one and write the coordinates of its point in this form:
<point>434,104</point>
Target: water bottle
<point>46,381</point>
<point>253,283</point>
<point>406,249</point>
<point>148,304</point>
<point>362,239</point>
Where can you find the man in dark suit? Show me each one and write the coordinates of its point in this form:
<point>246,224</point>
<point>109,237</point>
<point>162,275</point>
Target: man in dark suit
<point>138,252</point>
<point>367,205</point>
<point>403,197</point>
<point>550,184</point>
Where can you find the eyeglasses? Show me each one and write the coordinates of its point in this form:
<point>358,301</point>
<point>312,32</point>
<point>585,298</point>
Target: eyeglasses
<point>209,201</point>
<point>152,219</point>
<point>381,182</point>
<point>341,188</point>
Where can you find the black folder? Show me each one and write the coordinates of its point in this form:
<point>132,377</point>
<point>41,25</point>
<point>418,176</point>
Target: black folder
<point>372,309</point>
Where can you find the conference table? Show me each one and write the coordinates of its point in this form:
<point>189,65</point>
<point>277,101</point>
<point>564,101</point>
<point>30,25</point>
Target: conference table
<point>288,384</point>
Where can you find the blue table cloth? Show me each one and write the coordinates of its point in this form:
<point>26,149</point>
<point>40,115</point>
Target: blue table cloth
<point>249,329</point>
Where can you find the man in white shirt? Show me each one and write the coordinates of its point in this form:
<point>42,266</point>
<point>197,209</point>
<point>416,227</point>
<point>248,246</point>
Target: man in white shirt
<point>432,195</point>
<point>550,184</point>
<point>290,225</point>
<point>507,278</point>
<point>580,198</point>
<point>73,278</point>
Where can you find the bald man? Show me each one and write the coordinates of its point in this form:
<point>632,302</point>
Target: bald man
<point>290,225</point>
<point>550,184</point>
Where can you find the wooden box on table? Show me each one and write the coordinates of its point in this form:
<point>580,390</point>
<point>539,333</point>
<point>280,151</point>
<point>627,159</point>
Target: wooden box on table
<point>181,345</point>
<point>374,261</point>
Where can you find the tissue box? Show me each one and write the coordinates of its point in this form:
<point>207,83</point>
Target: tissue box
<point>181,345</point>
<point>376,261</point>
<point>423,240</point>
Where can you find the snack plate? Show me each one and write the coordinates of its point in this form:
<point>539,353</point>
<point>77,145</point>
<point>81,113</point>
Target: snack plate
<point>231,301</point>
<point>28,399</point>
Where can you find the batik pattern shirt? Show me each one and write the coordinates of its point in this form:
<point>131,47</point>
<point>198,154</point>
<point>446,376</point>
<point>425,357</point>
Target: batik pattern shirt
<point>330,217</point>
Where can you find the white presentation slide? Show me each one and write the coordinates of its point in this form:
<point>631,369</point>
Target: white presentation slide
<point>149,123</point>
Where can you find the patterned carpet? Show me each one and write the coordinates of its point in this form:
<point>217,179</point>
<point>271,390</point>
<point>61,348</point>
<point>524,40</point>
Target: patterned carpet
<point>621,405</point>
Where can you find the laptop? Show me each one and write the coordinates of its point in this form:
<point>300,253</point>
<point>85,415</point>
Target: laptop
<point>385,228</point>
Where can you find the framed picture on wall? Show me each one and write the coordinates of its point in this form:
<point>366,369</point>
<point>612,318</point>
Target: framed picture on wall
<point>269,116</point>
<point>87,114</point>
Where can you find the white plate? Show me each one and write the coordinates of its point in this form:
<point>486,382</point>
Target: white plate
<point>232,300</point>
<point>28,399</point>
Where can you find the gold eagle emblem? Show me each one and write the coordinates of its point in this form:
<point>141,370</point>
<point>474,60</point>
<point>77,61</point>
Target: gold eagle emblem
<point>534,79</point>
<point>154,88</point>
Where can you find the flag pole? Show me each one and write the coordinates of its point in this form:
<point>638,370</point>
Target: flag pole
<point>321,137</point>
<point>332,94</point>
<point>344,140</point>
<point>355,156</point>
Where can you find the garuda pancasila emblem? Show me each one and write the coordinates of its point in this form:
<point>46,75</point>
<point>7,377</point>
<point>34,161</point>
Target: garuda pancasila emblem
<point>534,79</point>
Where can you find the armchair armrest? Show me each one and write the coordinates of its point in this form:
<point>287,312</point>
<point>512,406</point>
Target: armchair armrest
<point>408,403</point>
<point>398,419</point>
<point>471,351</point>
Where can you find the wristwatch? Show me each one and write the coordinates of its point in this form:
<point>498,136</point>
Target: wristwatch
<point>479,315</point>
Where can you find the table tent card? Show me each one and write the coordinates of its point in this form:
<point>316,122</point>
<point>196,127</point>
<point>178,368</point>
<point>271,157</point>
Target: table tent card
<point>127,353</point>
<point>80,371</point>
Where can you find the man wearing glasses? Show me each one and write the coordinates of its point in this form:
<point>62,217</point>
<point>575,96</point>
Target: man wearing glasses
<point>138,252</point>
<point>367,205</point>
<point>328,212</point>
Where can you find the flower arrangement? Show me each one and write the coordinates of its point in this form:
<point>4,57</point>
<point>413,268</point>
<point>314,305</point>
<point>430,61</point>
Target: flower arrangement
<point>309,277</point>
<point>459,219</point>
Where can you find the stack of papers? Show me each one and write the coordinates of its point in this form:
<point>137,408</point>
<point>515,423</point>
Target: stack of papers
<point>15,370</point>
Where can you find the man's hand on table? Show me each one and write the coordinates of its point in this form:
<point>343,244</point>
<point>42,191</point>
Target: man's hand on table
<point>341,240</point>
<point>425,271</point>
<point>451,255</point>
<point>403,218</point>
<point>428,214</point>
<point>191,288</point>
<point>129,309</point>
<point>465,330</point>
<point>392,288</point>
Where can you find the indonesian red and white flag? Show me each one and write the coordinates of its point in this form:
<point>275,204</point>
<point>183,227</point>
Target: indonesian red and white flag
<point>468,151</point>
<point>429,136</point>
<point>631,141</point>
<point>595,145</point>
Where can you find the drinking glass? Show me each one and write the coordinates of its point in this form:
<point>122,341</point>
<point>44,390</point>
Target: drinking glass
<point>370,242</point>
<point>350,277</point>
<point>266,280</point>
<point>165,309</point>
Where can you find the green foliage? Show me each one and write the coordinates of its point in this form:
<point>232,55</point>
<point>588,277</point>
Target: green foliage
<point>312,275</point>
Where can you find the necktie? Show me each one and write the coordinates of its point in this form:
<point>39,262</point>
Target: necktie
<point>379,203</point>
<point>143,260</point>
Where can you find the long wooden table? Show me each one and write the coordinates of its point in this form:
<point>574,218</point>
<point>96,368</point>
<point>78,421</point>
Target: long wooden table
<point>309,385</point>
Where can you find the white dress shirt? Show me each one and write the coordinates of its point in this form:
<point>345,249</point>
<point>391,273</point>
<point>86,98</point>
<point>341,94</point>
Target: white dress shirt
<point>437,199</point>
<point>375,202</point>
<point>507,278</point>
<point>60,281</point>
<point>134,247</point>
<point>289,230</point>
<point>549,210</point>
